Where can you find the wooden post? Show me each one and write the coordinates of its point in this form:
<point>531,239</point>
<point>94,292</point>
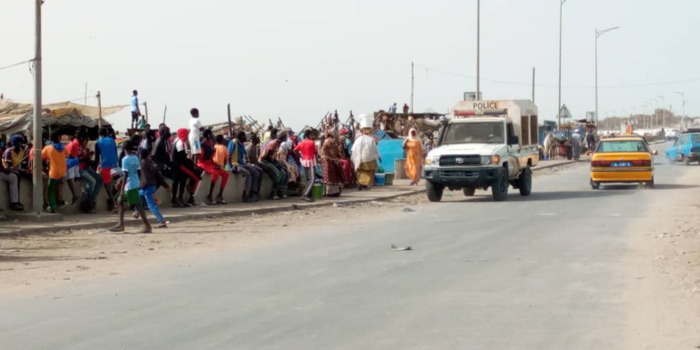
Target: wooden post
<point>230,124</point>
<point>145,107</point>
<point>99,110</point>
<point>164,113</point>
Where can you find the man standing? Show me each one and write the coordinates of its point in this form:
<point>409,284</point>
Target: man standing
<point>107,159</point>
<point>576,144</point>
<point>273,168</point>
<point>135,111</point>
<point>195,129</point>
<point>79,149</point>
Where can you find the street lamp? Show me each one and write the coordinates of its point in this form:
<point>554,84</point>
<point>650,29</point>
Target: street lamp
<point>597,35</point>
<point>561,15</point>
<point>663,111</point>
<point>683,116</point>
<point>478,50</point>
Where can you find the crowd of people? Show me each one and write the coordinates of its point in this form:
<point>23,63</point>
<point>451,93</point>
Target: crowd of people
<point>132,174</point>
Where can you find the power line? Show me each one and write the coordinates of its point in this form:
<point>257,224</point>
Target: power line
<point>428,69</point>
<point>17,64</point>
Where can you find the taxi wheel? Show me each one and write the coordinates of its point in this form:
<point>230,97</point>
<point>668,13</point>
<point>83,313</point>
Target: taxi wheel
<point>650,184</point>
<point>595,185</point>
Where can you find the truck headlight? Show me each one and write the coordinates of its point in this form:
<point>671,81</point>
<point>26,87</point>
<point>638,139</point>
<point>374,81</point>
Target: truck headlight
<point>486,160</point>
<point>432,161</point>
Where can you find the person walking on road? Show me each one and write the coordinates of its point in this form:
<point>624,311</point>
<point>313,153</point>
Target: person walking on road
<point>135,110</point>
<point>150,180</point>
<point>413,145</point>
<point>129,195</point>
<point>309,153</point>
<point>576,143</point>
<point>56,154</point>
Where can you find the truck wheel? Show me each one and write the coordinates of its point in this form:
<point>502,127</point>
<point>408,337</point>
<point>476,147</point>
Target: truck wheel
<point>469,191</point>
<point>686,160</point>
<point>434,191</point>
<point>525,182</point>
<point>499,190</point>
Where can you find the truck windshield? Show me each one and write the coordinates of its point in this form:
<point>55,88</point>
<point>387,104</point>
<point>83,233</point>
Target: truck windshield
<point>475,132</point>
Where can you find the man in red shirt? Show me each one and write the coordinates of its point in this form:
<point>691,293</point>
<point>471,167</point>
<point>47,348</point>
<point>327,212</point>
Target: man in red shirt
<point>80,150</point>
<point>309,153</point>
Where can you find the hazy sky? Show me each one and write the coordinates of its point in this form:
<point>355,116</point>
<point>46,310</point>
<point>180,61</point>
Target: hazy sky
<point>299,59</point>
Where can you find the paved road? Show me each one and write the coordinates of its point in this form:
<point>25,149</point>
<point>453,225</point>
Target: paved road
<point>529,273</point>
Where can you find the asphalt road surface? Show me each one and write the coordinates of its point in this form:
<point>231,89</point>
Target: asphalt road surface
<point>528,273</point>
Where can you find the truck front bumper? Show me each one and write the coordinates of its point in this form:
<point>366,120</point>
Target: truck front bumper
<point>463,177</point>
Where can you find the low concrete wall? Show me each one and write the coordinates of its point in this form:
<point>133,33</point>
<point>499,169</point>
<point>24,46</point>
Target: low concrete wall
<point>232,193</point>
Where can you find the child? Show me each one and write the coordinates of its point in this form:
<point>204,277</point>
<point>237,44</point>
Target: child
<point>151,179</point>
<point>130,189</point>
<point>56,154</point>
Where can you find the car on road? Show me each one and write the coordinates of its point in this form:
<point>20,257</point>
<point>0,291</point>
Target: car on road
<point>686,149</point>
<point>672,135</point>
<point>622,160</point>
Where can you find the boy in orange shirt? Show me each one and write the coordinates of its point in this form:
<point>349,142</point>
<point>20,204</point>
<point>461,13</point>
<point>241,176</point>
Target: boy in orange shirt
<point>56,154</point>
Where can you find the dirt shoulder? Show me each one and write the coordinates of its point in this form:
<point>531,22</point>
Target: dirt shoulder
<point>664,293</point>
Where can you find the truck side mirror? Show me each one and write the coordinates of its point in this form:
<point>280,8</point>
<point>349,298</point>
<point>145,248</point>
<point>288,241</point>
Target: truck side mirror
<point>513,140</point>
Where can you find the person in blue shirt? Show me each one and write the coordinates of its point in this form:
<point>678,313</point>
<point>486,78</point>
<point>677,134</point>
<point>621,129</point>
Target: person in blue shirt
<point>106,158</point>
<point>131,165</point>
<point>135,111</point>
<point>251,173</point>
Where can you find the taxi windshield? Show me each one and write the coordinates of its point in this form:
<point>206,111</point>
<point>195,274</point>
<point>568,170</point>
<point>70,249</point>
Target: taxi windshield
<point>475,132</point>
<point>622,146</point>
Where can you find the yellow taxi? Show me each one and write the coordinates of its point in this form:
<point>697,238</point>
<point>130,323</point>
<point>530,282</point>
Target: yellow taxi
<point>625,159</point>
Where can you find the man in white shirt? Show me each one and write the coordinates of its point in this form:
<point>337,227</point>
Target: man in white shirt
<point>195,129</point>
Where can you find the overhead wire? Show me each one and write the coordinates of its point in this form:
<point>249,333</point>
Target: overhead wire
<point>16,64</point>
<point>429,69</point>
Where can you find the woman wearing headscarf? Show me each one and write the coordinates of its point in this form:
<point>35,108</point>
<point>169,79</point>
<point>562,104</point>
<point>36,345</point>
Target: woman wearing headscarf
<point>414,156</point>
<point>333,177</point>
<point>186,166</point>
<point>364,157</point>
<point>345,145</point>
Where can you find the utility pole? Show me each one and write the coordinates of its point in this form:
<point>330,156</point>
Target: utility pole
<point>478,49</point>
<point>533,84</point>
<point>38,187</point>
<point>145,107</point>
<point>99,110</point>
<point>412,85</point>
<point>663,112</point>
<point>683,111</point>
<point>230,123</point>
<point>561,14</point>
<point>597,35</point>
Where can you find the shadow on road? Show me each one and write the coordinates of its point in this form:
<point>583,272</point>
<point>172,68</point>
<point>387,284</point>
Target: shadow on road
<point>555,196</point>
<point>18,258</point>
<point>673,186</point>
